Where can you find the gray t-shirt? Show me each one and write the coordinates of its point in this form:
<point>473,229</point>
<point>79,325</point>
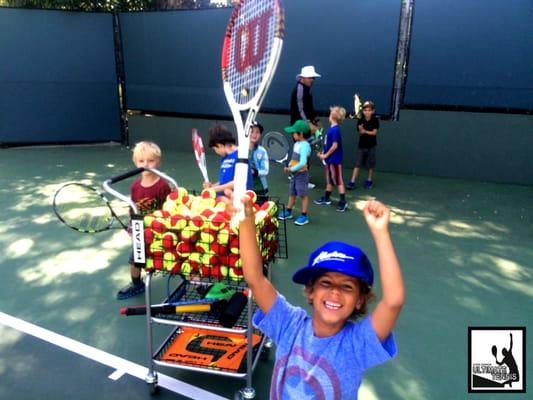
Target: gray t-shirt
<point>310,368</point>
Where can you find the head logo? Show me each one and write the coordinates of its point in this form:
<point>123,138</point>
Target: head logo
<point>496,359</point>
<point>331,256</point>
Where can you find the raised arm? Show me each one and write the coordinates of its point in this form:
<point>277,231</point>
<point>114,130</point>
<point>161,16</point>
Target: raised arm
<point>252,263</point>
<point>386,313</point>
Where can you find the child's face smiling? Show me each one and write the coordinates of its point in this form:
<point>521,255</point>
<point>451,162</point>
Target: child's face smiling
<point>255,135</point>
<point>334,297</point>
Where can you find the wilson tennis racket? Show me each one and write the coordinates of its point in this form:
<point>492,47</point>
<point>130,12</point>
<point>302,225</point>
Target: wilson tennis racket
<point>199,153</point>
<point>357,107</point>
<point>84,209</point>
<point>277,146</point>
<point>250,55</point>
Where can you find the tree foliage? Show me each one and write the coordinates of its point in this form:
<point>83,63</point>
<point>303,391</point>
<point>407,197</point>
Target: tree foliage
<point>111,5</point>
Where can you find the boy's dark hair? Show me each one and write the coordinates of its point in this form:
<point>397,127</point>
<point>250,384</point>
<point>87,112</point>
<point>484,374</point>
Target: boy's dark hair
<point>307,135</point>
<point>365,291</point>
<point>257,125</point>
<point>219,134</point>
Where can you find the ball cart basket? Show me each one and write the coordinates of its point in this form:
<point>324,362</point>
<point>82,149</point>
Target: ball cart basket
<point>208,306</point>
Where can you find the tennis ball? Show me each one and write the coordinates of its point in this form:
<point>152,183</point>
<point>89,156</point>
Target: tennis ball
<point>176,269</point>
<point>260,217</point>
<point>188,234</point>
<point>156,246</point>
<point>197,223</point>
<point>177,195</point>
<point>169,240</point>
<point>218,248</point>
<point>184,249</point>
<point>178,222</point>
<point>202,247</point>
<point>207,213</point>
<point>270,207</point>
<point>148,236</point>
<point>186,268</point>
<point>224,271</point>
<point>223,236</point>
<point>158,226</point>
<point>210,259</point>
<point>149,265</point>
<point>187,200</point>
<point>161,214</point>
<point>209,193</point>
<point>148,219</point>
<point>234,245</point>
<point>234,260</point>
<point>251,195</point>
<point>169,259</point>
<point>208,236</point>
<point>195,259</point>
<point>236,274</point>
<point>220,204</point>
<point>158,263</point>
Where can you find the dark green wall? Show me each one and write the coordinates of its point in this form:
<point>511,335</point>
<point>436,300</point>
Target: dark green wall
<point>485,147</point>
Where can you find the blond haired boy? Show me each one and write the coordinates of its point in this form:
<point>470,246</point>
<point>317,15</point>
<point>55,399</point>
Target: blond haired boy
<point>149,193</point>
<point>332,155</point>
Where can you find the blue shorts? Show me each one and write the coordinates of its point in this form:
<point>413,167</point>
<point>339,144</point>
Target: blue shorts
<point>299,184</point>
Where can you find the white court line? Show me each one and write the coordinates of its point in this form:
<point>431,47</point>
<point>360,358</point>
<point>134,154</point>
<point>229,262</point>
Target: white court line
<point>120,365</point>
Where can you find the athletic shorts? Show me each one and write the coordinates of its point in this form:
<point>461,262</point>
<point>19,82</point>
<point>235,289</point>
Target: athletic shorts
<point>366,158</point>
<point>334,174</point>
<point>298,185</point>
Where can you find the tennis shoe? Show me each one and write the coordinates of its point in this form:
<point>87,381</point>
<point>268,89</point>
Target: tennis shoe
<point>301,220</point>
<point>368,184</point>
<point>343,206</point>
<point>129,291</point>
<point>285,215</point>
<point>322,201</point>
<point>350,185</point>
<point>311,185</point>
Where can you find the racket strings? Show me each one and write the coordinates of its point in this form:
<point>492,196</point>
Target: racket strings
<point>252,39</point>
<point>82,208</point>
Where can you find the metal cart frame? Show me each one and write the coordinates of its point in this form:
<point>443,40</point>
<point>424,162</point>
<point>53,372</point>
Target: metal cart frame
<point>252,358</point>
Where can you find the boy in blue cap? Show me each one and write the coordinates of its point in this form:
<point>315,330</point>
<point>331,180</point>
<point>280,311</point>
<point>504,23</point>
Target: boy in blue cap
<point>325,355</point>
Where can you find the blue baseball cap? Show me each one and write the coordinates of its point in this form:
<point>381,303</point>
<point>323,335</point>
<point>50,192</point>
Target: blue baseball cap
<point>336,257</point>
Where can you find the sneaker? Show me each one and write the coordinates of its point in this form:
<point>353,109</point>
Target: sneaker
<point>301,220</point>
<point>286,214</point>
<point>131,290</point>
<point>350,185</point>
<point>368,184</point>
<point>322,201</point>
<point>311,185</point>
<point>343,206</point>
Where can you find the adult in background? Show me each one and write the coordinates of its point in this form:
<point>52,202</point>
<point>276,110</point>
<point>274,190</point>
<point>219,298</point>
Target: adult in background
<point>302,101</point>
<point>301,98</point>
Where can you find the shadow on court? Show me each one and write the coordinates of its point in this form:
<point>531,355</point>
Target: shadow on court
<point>465,250</point>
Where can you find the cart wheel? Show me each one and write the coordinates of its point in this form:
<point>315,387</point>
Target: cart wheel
<point>153,389</point>
<point>245,393</point>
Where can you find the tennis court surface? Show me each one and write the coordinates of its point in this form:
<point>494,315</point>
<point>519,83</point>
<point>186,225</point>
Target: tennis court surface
<point>465,250</point>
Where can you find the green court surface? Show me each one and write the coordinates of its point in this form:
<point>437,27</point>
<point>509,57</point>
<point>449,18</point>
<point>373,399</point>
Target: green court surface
<point>465,248</point>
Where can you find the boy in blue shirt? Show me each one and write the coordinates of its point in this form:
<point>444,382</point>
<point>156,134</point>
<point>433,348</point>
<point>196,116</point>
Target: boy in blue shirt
<point>324,355</point>
<point>222,142</point>
<point>299,184</point>
<point>258,161</point>
<point>332,155</point>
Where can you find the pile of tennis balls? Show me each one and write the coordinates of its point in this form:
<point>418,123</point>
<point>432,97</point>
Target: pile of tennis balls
<point>193,235</point>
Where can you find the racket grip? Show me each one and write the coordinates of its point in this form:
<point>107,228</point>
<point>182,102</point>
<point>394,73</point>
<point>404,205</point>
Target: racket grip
<point>125,175</point>
<point>231,314</point>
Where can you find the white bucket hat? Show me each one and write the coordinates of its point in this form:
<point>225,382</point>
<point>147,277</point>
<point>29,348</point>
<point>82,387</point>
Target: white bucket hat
<point>308,72</point>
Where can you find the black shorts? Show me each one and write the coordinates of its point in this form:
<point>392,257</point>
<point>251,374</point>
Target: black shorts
<point>366,158</point>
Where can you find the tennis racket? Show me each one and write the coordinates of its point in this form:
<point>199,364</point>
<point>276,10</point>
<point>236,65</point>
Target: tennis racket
<point>199,153</point>
<point>250,54</point>
<point>84,209</point>
<point>357,107</point>
<point>277,146</point>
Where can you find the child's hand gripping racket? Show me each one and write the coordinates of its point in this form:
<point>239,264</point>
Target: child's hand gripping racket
<point>250,54</point>
<point>199,153</point>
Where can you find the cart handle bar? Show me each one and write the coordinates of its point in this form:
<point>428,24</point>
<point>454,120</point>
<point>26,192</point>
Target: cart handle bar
<point>108,182</point>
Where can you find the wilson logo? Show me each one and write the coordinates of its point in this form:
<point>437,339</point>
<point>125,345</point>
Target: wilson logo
<point>251,41</point>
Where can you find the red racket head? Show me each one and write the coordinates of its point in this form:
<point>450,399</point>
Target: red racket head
<point>197,145</point>
<point>251,48</point>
